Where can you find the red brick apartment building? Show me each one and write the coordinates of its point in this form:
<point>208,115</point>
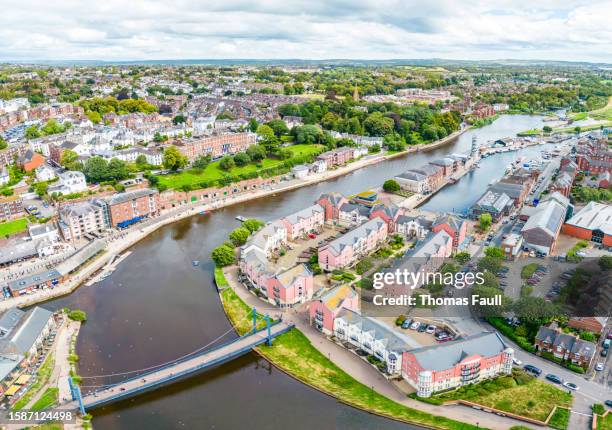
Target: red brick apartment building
<point>127,208</point>
<point>10,208</point>
<point>216,146</point>
<point>594,156</point>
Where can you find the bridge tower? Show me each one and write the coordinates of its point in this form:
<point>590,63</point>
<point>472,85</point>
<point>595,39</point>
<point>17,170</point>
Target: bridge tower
<point>254,320</point>
<point>75,390</point>
<point>269,332</point>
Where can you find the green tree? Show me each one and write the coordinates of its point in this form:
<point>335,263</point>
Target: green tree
<point>141,160</point>
<point>535,311</point>
<point>242,159</point>
<point>253,124</point>
<point>227,163</point>
<point>239,236</point>
<point>77,315</point>
<point>201,162</point>
<point>605,262</point>
<point>394,142</point>
<point>70,160</point>
<point>179,119</point>
<point>462,257</point>
<point>378,125</point>
<point>96,169</point>
<point>278,126</point>
<point>391,186</point>
<point>494,252</point>
<point>485,221</point>
<point>252,224</point>
<point>256,152</point>
<point>268,139</point>
<point>308,134</point>
<point>547,129</point>
<point>32,132</point>
<point>223,255</point>
<point>173,159</point>
<point>3,143</point>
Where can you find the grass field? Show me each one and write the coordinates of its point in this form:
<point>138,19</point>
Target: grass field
<point>518,394</point>
<point>213,172</point>
<point>560,419</point>
<point>12,227</point>
<point>604,423</point>
<point>603,113</point>
<point>294,353</point>
<point>48,399</point>
<point>583,128</point>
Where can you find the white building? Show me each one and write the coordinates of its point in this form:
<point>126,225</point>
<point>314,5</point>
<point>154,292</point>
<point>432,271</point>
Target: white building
<point>70,182</point>
<point>83,218</point>
<point>5,176</point>
<point>45,173</point>
<point>269,238</point>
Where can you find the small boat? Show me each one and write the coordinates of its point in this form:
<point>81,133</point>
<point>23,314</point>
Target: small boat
<point>195,262</point>
<point>203,212</point>
<point>240,218</point>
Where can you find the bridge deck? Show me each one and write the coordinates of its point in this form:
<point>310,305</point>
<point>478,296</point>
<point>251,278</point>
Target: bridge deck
<point>179,370</point>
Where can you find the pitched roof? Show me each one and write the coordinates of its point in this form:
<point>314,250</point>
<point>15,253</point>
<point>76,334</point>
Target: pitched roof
<point>352,236</point>
<point>594,216</point>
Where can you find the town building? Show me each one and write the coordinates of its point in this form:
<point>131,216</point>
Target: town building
<point>454,364</point>
<point>332,203</point>
<point>45,173</point>
<point>592,223</point>
<point>565,346</point>
<point>495,204</point>
<point>127,208</point>
<point>453,225</point>
<point>30,160</point>
<point>306,221</point>
<point>324,310</point>
<point>512,246</point>
<point>11,207</point>
<point>80,219</point>
<point>593,156</point>
<point>413,227</point>
<point>69,182</point>
<point>337,157</point>
<point>357,243</point>
<point>592,324</point>
<point>267,240</point>
<point>541,230</point>
<point>216,146</point>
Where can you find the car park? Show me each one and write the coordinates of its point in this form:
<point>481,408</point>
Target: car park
<point>553,378</point>
<point>571,386</point>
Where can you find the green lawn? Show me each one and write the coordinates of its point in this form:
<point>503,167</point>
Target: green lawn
<point>605,112</point>
<point>583,128</point>
<point>12,227</point>
<point>560,419</point>
<point>48,399</point>
<point>528,270</point>
<point>42,376</point>
<point>294,353</point>
<point>604,423</point>
<point>531,132</point>
<point>518,394</point>
<point>213,172</point>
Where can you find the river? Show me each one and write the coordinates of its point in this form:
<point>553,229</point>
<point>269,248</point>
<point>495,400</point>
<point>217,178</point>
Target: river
<point>157,306</point>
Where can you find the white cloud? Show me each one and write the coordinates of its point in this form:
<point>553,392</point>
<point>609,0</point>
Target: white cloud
<point>317,29</point>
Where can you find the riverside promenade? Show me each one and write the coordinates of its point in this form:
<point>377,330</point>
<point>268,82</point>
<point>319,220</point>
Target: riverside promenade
<point>363,371</point>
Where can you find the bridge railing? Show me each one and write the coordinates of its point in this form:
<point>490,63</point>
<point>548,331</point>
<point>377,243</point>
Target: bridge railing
<point>189,357</point>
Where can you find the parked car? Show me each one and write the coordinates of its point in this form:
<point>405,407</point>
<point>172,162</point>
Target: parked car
<point>431,329</point>
<point>606,343</point>
<point>312,235</point>
<point>608,403</point>
<point>604,353</point>
<point>422,328</point>
<point>553,378</point>
<point>516,361</point>
<point>599,366</point>
<point>532,369</point>
<point>406,324</point>
<point>415,325</point>
<point>571,386</point>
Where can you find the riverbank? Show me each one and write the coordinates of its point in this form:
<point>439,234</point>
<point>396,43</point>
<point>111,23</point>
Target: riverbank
<point>126,240</point>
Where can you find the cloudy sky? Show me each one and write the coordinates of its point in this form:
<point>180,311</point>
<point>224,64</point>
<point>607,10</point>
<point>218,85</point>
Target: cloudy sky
<point>309,29</point>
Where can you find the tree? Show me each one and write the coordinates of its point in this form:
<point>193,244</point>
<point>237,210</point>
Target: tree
<point>96,169</point>
<point>267,138</point>
<point>378,125</point>
<point>179,119</point>
<point>3,143</point>
<point>201,162</point>
<point>491,264</point>
<point>535,311</point>
<point>308,134</point>
<point>227,163</point>
<point>394,142</point>
<point>239,236</point>
<point>256,152</point>
<point>223,255</point>
<point>253,124</point>
<point>32,132</point>
<point>252,224</point>
<point>494,252</point>
<point>463,257</point>
<point>485,221</point>
<point>173,159</point>
<point>278,126</point>
<point>141,160</point>
<point>391,186</point>
<point>605,262</point>
<point>485,291</point>
<point>70,160</point>
<point>117,170</point>
<point>577,129</point>
<point>77,315</point>
<point>547,129</point>
<point>242,159</point>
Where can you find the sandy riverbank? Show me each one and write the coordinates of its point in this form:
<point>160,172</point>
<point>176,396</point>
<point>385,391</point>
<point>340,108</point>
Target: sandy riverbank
<point>128,239</point>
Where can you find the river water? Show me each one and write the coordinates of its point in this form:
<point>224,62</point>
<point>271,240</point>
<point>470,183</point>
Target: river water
<point>157,306</point>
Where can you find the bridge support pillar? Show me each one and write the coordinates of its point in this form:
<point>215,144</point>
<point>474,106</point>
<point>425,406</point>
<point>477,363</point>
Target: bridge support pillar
<point>269,332</point>
<point>75,390</point>
<point>254,320</point>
